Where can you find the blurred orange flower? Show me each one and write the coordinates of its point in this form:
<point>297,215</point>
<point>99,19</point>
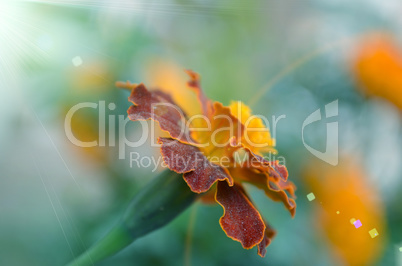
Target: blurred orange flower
<point>204,148</point>
<point>84,127</point>
<point>377,66</point>
<point>84,81</point>
<point>347,199</point>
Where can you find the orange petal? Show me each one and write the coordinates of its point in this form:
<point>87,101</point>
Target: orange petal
<point>273,169</point>
<point>194,83</point>
<point>288,186</point>
<point>257,136</point>
<point>224,131</point>
<point>240,221</point>
<point>281,170</point>
<point>281,195</point>
<point>159,106</point>
<point>199,173</point>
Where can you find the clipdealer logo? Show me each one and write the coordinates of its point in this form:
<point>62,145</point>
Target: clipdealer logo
<point>330,155</point>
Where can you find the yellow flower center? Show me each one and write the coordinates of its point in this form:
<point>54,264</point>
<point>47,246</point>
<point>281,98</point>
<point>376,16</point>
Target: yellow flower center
<point>256,136</point>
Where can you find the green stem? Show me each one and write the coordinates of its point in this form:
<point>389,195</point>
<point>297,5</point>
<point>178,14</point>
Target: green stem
<point>159,202</point>
<point>116,240</point>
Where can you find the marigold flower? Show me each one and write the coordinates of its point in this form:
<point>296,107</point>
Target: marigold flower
<point>378,68</point>
<point>346,195</point>
<point>217,151</point>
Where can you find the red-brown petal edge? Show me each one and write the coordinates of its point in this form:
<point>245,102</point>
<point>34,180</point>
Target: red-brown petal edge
<point>159,106</point>
<point>199,173</point>
<point>240,221</point>
<point>274,189</point>
<point>266,241</point>
<point>272,168</point>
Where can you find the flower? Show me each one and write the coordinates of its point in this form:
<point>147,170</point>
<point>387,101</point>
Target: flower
<point>378,68</point>
<point>346,195</point>
<point>217,151</point>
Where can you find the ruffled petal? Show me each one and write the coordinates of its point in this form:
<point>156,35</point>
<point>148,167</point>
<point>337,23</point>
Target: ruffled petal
<point>240,221</point>
<point>199,173</point>
<point>266,241</point>
<point>274,190</point>
<point>281,195</point>
<point>288,186</point>
<point>272,168</point>
<point>281,170</point>
<point>159,106</point>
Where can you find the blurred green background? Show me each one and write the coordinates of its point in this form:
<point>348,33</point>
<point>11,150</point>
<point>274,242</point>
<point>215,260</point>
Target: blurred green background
<point>287,57</point>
